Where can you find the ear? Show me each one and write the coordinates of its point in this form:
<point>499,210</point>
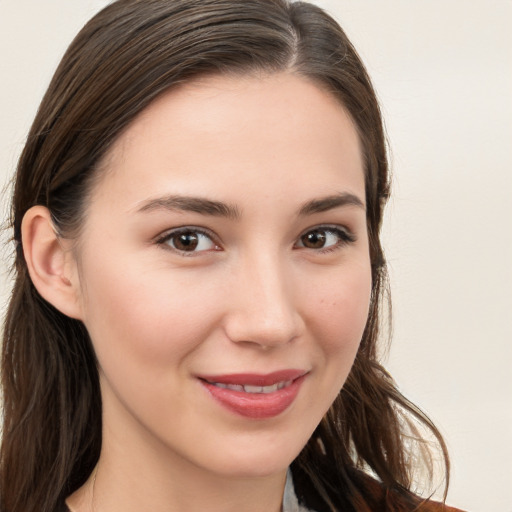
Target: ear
<point>51,263</point>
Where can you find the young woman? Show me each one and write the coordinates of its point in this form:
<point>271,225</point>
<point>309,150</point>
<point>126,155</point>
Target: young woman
<point>199,275</point>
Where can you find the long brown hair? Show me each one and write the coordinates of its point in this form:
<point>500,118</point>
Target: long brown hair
<point>125,57</point>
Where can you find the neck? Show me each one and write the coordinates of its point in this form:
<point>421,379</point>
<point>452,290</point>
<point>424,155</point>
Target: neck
<point>141,487</point>
<point>123,488</point>
<point>137,473</point>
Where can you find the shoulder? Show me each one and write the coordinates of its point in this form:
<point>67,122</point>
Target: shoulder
<point>361,492</point>
<point>384,499</point>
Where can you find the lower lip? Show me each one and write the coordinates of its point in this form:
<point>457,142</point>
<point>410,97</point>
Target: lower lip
<point>256,405</point>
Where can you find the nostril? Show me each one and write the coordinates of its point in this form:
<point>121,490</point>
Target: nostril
<point>262,334</point>
<point>262,309</point>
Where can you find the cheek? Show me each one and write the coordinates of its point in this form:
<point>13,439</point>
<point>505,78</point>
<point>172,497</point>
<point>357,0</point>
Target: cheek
<point>148,317</point>
<point>337,312</point>
<point>339,308</point>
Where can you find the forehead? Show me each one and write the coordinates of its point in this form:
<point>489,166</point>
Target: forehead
<point>218,132</point>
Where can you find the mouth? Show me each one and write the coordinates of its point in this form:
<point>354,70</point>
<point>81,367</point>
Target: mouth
<point>255,396</point>
<point>247,388</point>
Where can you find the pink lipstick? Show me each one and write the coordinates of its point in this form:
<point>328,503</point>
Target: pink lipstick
<point>253,395</point>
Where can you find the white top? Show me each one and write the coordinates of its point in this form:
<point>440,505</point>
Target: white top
<point>290,501</point>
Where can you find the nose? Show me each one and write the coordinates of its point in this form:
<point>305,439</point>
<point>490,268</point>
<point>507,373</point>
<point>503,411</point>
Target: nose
<point>263,306</point>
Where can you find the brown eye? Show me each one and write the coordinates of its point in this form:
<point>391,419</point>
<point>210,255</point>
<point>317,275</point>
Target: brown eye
<point>325,238</point>
<point>189,240</point>
<point>314,239</point>
<point>185,241</point>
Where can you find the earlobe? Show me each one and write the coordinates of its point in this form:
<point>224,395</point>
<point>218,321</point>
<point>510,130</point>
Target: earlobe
<point>50,262</point>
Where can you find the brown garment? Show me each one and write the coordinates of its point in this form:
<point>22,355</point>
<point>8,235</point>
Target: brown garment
<point>363,493</point>
<point>381,499</point>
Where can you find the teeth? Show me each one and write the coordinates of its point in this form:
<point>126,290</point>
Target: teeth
<point>254,389</point>
<point>260,389</point>
<point>234,387</point>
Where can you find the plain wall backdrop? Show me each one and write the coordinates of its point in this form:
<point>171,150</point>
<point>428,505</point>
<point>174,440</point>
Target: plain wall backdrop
<point>443,72</point>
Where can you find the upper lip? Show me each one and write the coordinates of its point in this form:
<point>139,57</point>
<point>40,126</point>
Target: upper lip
<point>255,379</point>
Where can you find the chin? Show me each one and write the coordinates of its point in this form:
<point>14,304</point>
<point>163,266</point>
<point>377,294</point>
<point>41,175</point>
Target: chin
<point>259,459</point>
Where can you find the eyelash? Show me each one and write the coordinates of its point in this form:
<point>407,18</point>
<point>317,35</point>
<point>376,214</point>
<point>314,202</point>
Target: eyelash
<point>344,236</point>
<point>166,237</point>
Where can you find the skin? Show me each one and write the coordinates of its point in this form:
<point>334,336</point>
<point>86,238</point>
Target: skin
<point>252,297</point>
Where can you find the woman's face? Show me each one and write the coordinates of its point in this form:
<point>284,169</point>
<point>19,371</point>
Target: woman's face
<point>224,273</point>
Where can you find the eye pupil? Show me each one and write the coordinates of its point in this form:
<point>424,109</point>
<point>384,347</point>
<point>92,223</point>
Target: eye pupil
<point>186,241</point>
<point>314,239</point>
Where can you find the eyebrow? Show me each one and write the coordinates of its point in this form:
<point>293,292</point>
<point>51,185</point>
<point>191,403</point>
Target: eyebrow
<point>330,202</point>
<point>191,204</point>
<point>219,209</point>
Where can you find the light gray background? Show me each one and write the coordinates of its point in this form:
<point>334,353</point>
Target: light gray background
<point>443,72</point>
